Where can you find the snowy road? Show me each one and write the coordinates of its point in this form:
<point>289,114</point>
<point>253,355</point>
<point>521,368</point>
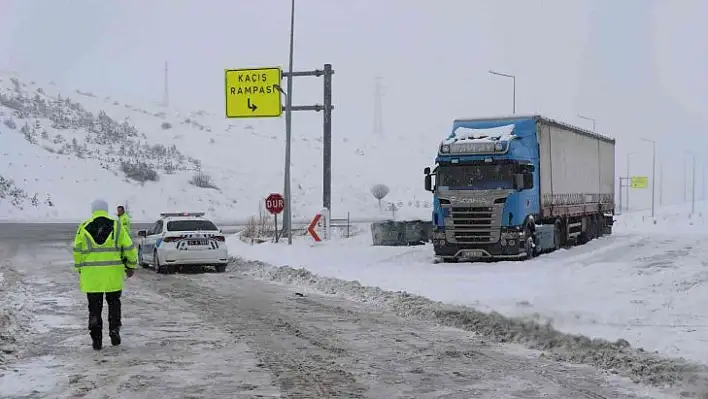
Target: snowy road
<point>227,336</point>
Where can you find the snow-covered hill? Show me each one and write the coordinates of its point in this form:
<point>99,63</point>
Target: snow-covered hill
<point>59,149</point>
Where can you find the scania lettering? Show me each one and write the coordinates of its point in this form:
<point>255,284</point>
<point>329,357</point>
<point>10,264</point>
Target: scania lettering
<point>515,187</point>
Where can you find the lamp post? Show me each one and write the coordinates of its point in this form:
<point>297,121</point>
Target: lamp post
<point>288,216</point>
<point>587,118</point>
<point>629,154</point>
<point>513,78</point>
<point>653,174</point>
<point>693,181</point>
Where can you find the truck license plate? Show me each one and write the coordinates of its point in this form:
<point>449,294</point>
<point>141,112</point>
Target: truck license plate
<point>473,253</point>
<point>196,242</point>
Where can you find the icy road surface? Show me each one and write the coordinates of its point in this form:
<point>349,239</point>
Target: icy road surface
<point>228,336</point>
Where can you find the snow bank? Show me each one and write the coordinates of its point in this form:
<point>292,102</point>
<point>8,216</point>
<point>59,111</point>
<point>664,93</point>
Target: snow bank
<point>646,283</point>
<point>14,312</point>
<point>617,357</point>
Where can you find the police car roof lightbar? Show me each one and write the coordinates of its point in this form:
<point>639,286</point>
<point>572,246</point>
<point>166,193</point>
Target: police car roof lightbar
<point>169,214</point>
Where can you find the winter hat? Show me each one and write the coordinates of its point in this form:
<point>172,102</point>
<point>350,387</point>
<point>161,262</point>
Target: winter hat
<point>99,205</point>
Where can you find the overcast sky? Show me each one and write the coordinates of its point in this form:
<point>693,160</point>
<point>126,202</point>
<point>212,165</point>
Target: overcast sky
<point>637,66</point>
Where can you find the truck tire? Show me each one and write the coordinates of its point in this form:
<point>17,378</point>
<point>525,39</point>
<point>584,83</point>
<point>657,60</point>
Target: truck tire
<point>530,242</point>
<point>557,235</point>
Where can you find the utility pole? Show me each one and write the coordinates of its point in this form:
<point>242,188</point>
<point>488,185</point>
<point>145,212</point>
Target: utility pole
<point>661,182</point>
<point>693,190</point>
<point>326,109</point>
<point>653,174</point>
<point>288,217</point>
<point>513,78</point>
<point>629,178</point>
<point>685,180</point>
<point>703,185</point>
<point>378,107</point>
<point>166,93</point>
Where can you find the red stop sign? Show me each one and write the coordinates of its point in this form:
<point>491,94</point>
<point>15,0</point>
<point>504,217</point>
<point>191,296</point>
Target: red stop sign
<point>275,203</point>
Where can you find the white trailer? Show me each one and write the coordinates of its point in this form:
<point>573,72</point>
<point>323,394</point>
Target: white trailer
<point>577,174</point>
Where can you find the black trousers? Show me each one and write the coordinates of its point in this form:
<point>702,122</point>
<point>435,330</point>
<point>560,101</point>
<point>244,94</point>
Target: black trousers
<point>95,308</point>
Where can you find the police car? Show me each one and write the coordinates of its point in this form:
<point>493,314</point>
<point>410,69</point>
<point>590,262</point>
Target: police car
<point>179,240</point>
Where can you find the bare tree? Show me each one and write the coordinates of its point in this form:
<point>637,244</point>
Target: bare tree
<point>379,191</point>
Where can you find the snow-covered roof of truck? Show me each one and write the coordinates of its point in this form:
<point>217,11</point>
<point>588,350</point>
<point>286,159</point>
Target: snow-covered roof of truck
<point>545,120</point>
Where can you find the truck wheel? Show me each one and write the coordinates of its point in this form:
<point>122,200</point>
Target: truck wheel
<point>220,268</point>
<point>557,235</point>
<point>530,243</point>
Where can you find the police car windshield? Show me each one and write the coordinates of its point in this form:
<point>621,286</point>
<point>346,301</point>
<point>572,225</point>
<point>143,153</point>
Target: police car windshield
<point>190,225</point>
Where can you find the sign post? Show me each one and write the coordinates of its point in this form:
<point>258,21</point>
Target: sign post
<point>275,203</point>
<point>257,93</point>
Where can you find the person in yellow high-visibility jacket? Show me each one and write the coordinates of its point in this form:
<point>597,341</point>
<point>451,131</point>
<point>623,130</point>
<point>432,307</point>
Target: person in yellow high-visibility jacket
<point>103,255</point>
<point>124,218</point>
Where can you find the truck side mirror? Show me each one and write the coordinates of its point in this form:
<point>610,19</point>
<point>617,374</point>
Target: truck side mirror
<point>426,171</point>
<point>518,181</point>
<point>428,183</point>
<point>142,233</point>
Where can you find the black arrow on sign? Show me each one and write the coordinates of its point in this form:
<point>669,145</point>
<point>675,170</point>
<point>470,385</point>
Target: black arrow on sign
<point>252,107</point>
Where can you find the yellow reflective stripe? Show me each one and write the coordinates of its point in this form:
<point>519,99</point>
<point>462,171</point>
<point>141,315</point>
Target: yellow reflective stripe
<point>116,233</point>
<point>100,263</point>
<point>97,250</point>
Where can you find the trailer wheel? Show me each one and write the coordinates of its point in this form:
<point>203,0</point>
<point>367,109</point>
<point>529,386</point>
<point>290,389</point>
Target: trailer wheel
<point>600,226</point>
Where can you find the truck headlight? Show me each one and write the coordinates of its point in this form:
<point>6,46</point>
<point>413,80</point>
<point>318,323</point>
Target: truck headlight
<point>498,147</point>
<point>445,148</point>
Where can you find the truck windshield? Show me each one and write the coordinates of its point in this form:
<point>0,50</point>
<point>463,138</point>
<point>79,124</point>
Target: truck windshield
<point>476,177</point>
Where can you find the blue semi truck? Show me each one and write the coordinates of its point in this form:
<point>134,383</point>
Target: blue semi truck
<point>514,187</point>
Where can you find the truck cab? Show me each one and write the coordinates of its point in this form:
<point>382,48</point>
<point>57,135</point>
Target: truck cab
<point>483,185</point>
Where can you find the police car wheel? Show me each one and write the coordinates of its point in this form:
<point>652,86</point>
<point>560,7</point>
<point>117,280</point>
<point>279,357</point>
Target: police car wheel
<point>160,269</point>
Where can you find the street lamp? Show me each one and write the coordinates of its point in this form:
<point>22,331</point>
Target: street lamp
<point>629,154</point>
<point>693,181</point>
<point>653,173</point>
<point>587,118</point>
<point>288,216</point>
<point>512,77</point>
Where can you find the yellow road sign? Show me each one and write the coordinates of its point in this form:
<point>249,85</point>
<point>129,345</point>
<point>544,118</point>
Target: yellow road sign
<point>251,93</point>
<point>639,182</point>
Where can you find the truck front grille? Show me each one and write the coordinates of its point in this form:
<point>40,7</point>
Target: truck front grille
<point>475,224</point>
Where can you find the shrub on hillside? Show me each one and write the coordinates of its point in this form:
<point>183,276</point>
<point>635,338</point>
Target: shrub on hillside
<point>139,171</point>
<point>10,123</point>
<point>259,228</point>
<point>203,181</point>
<point>166,125</point>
